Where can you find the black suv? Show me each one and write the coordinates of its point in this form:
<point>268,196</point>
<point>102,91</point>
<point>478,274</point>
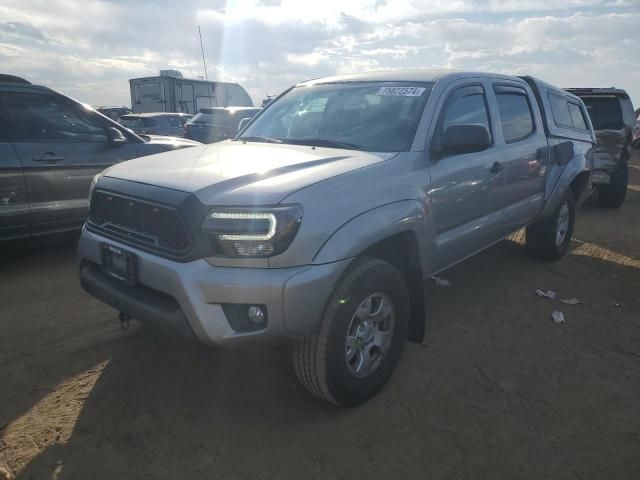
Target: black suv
<point>613,119</point>
<point>51,146</point>
<point>215,124</point>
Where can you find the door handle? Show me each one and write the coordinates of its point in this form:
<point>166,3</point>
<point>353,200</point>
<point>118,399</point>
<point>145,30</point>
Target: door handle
<point>47,157</point>
<point>497,167</point>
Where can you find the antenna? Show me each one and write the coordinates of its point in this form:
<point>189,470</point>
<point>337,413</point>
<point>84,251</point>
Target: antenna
<point>204,63</point>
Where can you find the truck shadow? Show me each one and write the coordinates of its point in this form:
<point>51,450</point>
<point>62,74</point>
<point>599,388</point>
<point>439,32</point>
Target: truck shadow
<point>495,367</point>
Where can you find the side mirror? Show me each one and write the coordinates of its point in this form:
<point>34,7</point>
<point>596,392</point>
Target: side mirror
<point>116,137</point>
<point>459,139</point>
<point>243,123</point>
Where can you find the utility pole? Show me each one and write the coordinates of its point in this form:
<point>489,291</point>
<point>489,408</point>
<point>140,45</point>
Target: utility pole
<point>204,63</point>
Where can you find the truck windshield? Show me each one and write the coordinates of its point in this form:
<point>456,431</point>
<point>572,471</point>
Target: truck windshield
<point>370,116</point>
<point>605,112</point>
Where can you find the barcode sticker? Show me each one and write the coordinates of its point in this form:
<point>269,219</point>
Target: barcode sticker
<point>401,91</point>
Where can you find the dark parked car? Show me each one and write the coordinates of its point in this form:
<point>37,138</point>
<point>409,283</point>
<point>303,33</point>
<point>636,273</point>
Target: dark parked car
<point>51,147</point>
<point>636,131</point>
<point>613,120</point>
<point>114,113</point>
<point>216,123</point>
<point>170,124</point>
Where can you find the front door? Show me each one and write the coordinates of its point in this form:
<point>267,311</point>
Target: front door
<point>466,188</point>
<point>61,146</point>
<point>14,202</point>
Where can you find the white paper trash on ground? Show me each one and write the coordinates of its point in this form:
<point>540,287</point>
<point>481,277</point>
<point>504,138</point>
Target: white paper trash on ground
<point>548,294</point>
<point>557,316</point>
<point>571,301</point>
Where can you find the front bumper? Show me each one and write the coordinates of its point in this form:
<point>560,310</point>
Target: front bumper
<point>186,298</point>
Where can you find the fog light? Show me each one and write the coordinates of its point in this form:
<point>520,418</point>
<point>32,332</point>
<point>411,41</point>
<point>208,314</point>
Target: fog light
<point>244,317</point>
<point>256,314</point>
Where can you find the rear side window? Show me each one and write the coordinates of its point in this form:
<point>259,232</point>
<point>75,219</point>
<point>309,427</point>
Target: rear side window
<point>212,117</point>
<point>149,122</point>
<point>576,116</point>
<point>560,111</point>
<point>44,118</point>
<point>177,121</point>
<point>515,115</point>
<point>131,122</point>
<point>605,112</point>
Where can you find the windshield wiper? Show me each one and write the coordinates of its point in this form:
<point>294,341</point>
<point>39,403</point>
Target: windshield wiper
<point>259,139</point>
<point>323,142</point>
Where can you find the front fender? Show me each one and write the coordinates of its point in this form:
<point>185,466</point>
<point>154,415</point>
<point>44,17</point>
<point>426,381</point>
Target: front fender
<point>577,165</point>
<point>373,226</point>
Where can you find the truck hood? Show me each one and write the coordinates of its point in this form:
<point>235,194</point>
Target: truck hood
<point>235,173</point>
<point>170,143</point>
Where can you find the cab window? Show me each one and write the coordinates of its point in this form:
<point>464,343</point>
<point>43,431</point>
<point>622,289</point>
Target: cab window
<point>516,117</point>
<point>467,105</point>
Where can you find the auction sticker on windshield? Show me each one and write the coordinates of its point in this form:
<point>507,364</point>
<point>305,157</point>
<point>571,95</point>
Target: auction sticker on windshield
<point>401,91</point>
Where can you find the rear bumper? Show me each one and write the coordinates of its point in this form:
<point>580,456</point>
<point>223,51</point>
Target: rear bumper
<point>186,299</point>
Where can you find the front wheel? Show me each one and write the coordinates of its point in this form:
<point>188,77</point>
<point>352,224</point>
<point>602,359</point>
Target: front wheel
<point>360,337</point>
<point>549,239</point>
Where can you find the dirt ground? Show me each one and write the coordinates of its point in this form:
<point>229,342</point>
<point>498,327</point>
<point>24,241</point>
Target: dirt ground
<point>498,390</point>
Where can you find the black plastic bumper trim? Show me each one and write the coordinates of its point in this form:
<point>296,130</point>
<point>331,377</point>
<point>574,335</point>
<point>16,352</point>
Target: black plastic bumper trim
<point>146,305</point>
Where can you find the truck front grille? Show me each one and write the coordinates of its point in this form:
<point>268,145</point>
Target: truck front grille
<point>146,224</point>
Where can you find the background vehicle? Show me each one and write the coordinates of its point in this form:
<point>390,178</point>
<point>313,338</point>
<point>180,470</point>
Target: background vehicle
<point>51,146</point>
<point>170,124</point>
<point>613,119</point>
<point>216,124</point>
<point>114,113</point>
<point>267,100</point>
<point>320,223</point>
<point>172,93</point>
<point>636,131</point>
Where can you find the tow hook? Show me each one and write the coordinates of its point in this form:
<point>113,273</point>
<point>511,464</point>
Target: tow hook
<point>124,321</point>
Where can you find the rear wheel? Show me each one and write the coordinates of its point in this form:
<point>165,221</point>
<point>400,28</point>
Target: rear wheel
<point>612,195</point>
<point>549,239</point>
<point>360,338</point>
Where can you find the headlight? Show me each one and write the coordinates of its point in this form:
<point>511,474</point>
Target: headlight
<point>96,177</point>
<point>253,231</point>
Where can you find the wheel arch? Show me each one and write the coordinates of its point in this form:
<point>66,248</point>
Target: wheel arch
<point>397,233</point>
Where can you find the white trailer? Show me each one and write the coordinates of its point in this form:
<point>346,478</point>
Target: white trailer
<point>169,92</point>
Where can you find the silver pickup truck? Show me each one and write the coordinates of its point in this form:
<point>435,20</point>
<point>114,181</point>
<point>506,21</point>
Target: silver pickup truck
<point>318,225</point>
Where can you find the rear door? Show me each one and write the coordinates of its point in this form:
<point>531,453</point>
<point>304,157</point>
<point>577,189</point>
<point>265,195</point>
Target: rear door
<point>466,189</point>
<point>521,140</point>
<point>14,201</point>
<point>150,96</point>
<point>61,146</point>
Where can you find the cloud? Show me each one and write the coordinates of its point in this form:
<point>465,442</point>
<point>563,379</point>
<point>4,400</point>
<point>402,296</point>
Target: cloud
<point>90,49</point>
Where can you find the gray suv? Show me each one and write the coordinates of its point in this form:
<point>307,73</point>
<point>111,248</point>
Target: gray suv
<point>51,147</point>
<point>319,224</point>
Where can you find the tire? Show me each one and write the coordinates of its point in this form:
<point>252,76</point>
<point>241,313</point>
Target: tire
<point>612,195</point>
<point>543,239</point>
<point>323,362</point>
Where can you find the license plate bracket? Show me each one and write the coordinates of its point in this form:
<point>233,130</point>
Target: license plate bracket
<point>119,263</point>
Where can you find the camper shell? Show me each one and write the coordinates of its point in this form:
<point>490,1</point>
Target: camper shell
<point>164,93</point>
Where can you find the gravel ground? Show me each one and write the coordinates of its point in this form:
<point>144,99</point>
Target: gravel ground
<point>497,391</point>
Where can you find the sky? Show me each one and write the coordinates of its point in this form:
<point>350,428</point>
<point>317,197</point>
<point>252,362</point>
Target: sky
<point>90,48</point>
